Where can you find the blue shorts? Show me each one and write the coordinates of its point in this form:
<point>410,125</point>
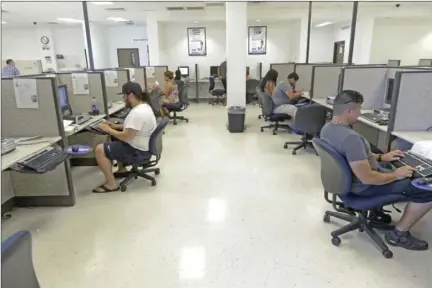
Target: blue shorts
<point>403,187</point>
<point>125,153</point>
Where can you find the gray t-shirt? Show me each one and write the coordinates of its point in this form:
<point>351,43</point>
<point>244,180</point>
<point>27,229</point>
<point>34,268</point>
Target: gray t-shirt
<point>353,146</point>
<point>280,96</point>
<point>223,70</point>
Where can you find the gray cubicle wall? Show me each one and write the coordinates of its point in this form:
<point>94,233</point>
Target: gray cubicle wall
<point>113,94</point>
<point>155,73</point>
<point>371,81</point>
<point>325,81</point>
<point>53,188</point>
<point>284,69</point>
<point>305,76</point>
<point>82,103</point>
<point>411,101</point>
<point>139,76</point>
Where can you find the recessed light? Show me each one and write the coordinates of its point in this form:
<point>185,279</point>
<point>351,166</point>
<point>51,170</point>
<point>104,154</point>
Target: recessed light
<point>103,3</point>
<point>3,22</point>
<point>258,20</point>
<point>117,19</point>
<point>323,24</point>
<point>195,21</point>
<point>70,20</point>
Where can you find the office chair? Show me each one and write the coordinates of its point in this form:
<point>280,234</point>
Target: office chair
<point>142,169</point>
<point>274,119</point>
<point>308,122</point>
<point>260,101</point>
<point>215,92</point>
<point>17,264</point>
<point>251,91</point>
<point>155,95</point>
<point>180,106</point>
<point>336,177</point>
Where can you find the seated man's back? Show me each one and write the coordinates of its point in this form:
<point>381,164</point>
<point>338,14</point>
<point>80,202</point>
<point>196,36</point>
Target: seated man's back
<point>141,118</point>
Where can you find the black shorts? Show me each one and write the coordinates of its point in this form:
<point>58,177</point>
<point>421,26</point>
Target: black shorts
<point>125,153</point>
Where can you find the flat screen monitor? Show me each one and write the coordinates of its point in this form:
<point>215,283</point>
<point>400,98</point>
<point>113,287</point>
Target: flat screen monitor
<point>63,99</point>
<point>393,62</point>
<point>184,70</point>
<point>389,91</point>
<point>214,70</point>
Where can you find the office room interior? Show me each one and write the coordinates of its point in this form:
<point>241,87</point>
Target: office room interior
<point>232,199</point>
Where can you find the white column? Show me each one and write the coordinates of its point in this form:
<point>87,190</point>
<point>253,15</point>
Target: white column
<point>363,40</point>
<point>236,50</point>
<point>153,40</point>
<point>47,51</point>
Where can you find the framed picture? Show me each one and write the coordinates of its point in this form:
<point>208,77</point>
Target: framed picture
<point>197,42</point>
<point>257,40</point>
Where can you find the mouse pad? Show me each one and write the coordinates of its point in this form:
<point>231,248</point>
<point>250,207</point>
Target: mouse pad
<point>82,150</point>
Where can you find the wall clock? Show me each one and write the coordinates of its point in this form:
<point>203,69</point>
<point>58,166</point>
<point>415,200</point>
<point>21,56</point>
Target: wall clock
<point>44,40</point>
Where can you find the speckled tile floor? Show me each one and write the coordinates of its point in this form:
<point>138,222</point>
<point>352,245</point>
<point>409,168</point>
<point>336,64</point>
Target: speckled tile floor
<point>229,211</point>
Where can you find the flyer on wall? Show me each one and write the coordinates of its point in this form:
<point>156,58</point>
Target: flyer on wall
<point>257,44</point>
<point>197,41</point>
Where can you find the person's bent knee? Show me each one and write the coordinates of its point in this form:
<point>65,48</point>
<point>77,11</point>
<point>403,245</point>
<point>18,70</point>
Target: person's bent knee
<point>100,150</point>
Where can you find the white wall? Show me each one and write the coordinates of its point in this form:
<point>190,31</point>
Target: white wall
<point>69,41</point>
<point>321,44</point>
<point>19,44</point>
<point>401,40</point>
<point>342,34</point>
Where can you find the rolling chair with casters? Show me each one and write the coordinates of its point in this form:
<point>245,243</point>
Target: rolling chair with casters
<point>180,106</point>
<point>155,96</point>
<point>336,177</point>
<point>142,169</point>
<point>260,105</point>
<point>17,264</point>
<point>308,122</point>
<point>215,92</point>
<point>251,91</point>
<point>271,117</point>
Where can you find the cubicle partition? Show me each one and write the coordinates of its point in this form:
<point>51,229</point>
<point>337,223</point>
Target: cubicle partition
<point>284,69</point>
<point>114,80</point>
<point>39,117</point>
<point>136,74</point>
<point>82,103</point>
<point>325,81</point>
<point>155,73</point>
<point>305,76</point>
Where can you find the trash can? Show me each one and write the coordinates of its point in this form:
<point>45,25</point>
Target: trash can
<point>236,119</point>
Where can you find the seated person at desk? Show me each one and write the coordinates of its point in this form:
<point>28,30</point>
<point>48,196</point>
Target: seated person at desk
<point>285,97</point>
<point>248,77</point>
<point>132,137</point>
<point>369,178</point>
<point>268,83</point>
<point>170,92</point>
<point>178,80</point>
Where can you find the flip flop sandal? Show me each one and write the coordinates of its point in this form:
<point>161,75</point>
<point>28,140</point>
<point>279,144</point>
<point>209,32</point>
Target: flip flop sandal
<point>105,189</point>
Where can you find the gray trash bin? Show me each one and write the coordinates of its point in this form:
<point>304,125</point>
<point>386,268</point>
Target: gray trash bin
<point>236,119</point>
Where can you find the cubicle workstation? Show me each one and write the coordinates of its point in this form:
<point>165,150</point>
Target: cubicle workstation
<point>411,117</point>
<point>200,84</point>
<point>136,74</point>
<point>153,74</point>
<point>325,81</point>
<point>31,118</point>
<point>284,69</point>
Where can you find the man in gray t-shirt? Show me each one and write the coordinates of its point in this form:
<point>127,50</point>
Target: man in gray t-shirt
<point>369,179</point>
<point>285,97</point>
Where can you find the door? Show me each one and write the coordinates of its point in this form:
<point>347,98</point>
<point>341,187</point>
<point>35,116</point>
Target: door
<point>339,52</point>
<point>128,57</point>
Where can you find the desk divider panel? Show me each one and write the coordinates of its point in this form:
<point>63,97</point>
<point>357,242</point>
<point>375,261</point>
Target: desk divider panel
<point>140,77</point>
<point>305,76</point>
<point>412,101</point>
<point>112,92</point>
<point>155,73</point>
<point>82,103</point>
<point>370,81</point>
<point>325,81</point>
<point>391,71</point>
<point>42,121</point>
<point>284,69</point>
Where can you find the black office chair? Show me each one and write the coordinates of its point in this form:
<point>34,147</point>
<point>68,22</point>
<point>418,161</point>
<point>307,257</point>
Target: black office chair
<point>308,122</point>
<point>142,169</point>
<point>218,93</point>
<point>17,264</point>
<point>274,119</point>
<point>260,103</point>
<point>155,96</point>
<point>180,106</point>
<point>251,91</point>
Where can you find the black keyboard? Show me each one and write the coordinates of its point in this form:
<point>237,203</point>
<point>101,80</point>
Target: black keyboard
<point>94,127</point>
<point>122,113</point>
<point>45,160</point>
<point>375,118</point>
<point>422,165</point>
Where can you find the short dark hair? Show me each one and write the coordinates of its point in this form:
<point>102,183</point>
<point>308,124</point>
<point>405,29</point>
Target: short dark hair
<point>177,75</point>
<point>348,96</point>
<point>169,74</point>
<point>294,76</point>
<point>9,61</point>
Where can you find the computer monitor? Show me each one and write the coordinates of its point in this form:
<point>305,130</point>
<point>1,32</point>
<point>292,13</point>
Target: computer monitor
<point>393,62</point>
<point>184,70</point>
<point>214,70</point>
<point>63,99</point>
<point>389,91</point>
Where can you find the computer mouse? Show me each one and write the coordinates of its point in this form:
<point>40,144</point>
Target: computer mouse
<point>75,148</point>
<point>425,181</point>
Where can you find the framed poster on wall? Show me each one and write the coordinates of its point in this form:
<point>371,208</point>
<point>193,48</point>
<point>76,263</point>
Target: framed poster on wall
<point>257,40</point>
<point>197,42</point>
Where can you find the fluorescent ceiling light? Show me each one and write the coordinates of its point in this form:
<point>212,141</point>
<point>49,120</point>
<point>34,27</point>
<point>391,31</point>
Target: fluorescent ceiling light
<point>258,20</point>
<point>3,22</point>
<point>102,3</point>
<point>324,24</point>
<point>195,21</point>
<point>70,20</point>
<point>117,19</point>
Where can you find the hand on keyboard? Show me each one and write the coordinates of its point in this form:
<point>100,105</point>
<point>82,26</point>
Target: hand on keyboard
<point>404,172</point>
<point>105,127</point>
<point>393,156</point>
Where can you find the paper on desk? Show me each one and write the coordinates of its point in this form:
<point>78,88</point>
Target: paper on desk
<point>80,83</point>
<point>66,123</point>
<point>423,148</point>
<point>26,93</point>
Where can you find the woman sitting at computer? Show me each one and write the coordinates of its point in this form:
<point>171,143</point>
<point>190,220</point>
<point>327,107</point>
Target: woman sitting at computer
<point>170,93</point>
<point>269,81</point>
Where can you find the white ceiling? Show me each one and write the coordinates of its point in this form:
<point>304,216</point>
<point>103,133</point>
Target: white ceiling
<point>23,13</point>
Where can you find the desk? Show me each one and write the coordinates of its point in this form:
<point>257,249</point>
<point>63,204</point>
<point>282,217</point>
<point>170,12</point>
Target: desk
<point>116,106</point>
<point>78,128</point>
<point>23,151</point>
<point>413,136</point>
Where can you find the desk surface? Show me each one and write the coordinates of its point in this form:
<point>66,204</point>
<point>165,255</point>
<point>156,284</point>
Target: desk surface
<point>23,151</point>
<point>413,136</point>
<point>116,106</point>
<point>78,128</point>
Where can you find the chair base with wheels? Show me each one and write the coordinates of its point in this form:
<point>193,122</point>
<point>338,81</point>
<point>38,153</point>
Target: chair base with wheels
<point>304,143</point>
<point>175,117</point>
<point>136,172</point>
<point>218,93</point>
<point>275,124</point>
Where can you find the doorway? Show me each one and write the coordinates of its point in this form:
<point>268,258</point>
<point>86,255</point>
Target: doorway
<point>339,52</point>
<point>128,57</point>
